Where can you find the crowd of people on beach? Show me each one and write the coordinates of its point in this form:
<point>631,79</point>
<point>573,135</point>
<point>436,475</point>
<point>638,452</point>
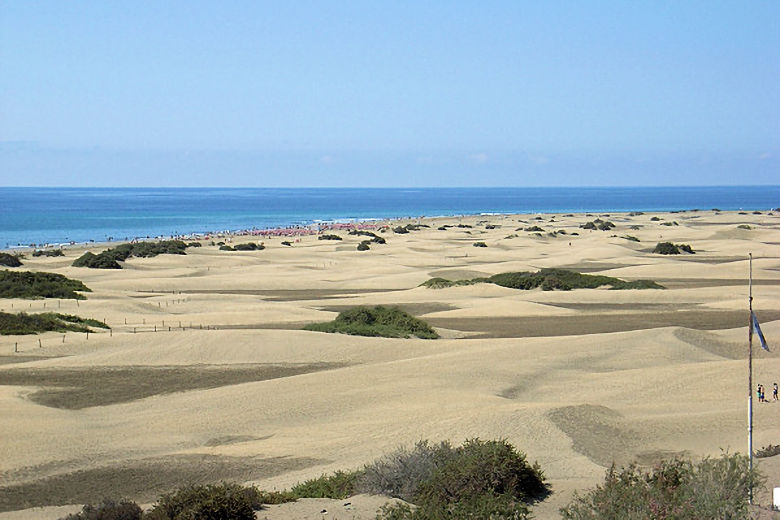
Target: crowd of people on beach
<point>760,393</point>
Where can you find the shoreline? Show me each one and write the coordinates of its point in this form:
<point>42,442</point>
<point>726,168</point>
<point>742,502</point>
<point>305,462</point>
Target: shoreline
<point>317,226</point>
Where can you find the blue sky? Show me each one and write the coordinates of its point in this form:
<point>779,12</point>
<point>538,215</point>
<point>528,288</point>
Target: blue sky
<point>399,93</point>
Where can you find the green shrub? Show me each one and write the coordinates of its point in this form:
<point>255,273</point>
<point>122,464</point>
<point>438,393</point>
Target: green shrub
<point>248,246</point>
<point>388,322</point>
<point>48,252</point>
<point>655,219</point>
<point>9,260</point>
<point>548,280</point>
<point>30,285</point>
<point>22,323</point>
<point>479,479</point>
<point>108,510</point>
<point>743,226</point>
<point>603,225</point>
<point>675,489</point>
<point>110,258</point>
<point>286,243</point>
<point>94,261</point>
<point>667,248</point>
<point>194,244</point>
<point>479,244</point>
<point>363,246</point>
<point>400,230</point>
<point>768,451</point>
<point>635,213</point>
<point>631,238</point>
<point>672,223</point>
<point>329,237</point>
<point>442,283</point>
<point>400,473</point>
<point>225,501</point>
<point>606,226</point>
<point>340,484</point>
<point>532,229</point>
<point>374,237</point>
<point>225,247</point>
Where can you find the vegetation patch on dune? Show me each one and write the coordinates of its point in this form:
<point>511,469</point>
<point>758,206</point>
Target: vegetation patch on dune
<point>479,479</point>
<point>373,236</point>
<point>247,246</point>
<point>548,279</point>
<point>48,252</point>
<point>22,323</point>
<point>9,260</point>
<point>677,488</point>
<point>602,225</point>
<point>668,248</point>
<point>329,237</point>
<point>110,258</point>
<point>387,322</point>
<point>30,285</point>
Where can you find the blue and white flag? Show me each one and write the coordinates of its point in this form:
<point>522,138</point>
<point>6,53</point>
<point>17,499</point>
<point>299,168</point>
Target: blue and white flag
<point>757,328</point>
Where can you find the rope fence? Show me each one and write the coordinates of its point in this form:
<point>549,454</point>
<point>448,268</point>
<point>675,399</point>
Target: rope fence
<point>132,325</point>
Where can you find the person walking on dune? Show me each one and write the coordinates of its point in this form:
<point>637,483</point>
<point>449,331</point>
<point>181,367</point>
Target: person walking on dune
<point>774,392</point>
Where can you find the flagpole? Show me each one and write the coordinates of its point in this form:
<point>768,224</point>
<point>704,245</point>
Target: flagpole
<point>750,374</point>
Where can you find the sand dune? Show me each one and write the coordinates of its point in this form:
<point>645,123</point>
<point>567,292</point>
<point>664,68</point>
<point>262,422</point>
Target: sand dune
<point>576,379</point>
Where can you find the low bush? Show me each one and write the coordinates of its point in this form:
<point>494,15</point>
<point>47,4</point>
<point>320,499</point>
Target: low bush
<point>672,223</point>
<point>248,246</point>
<point>635,213</point>
<point>631,238</point>
<point>31,285</point>
<point>532,229</point>
<point>374,237</point>
<point>443,283</point>
<point>110,258</point>
<point>108,510</point>
<point>211,502</point>
<point>400,230</point>
<point>329,237</point>
<point>48,252</point>
<point>225,247</point>
<point>194,244</point>
<point>479,479</point>
<point>668,248</point>
<point>548,280</point>
<point>22,323</point>
<point>340,484</point>
<point>363,246</point>
<point>479,244</point>
<point>743,226</point>
<point>768,451</point>
<point>675,489</point>
<point>286,243</point>
<point>388,322</point>
<point>9,260</point>
<point>655,219</point>
<point>93,261</point>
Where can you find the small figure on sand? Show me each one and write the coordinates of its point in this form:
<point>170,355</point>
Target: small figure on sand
<point>760,393</point>
<point>774,392</point>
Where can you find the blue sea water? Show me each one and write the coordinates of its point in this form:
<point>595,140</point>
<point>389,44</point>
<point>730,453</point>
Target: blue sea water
<point>58,215</point>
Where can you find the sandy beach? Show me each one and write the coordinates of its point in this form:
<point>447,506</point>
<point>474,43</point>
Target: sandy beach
<point>206,374</point>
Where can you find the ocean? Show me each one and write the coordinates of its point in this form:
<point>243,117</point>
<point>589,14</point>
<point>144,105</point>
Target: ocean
<point>62,215</point>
